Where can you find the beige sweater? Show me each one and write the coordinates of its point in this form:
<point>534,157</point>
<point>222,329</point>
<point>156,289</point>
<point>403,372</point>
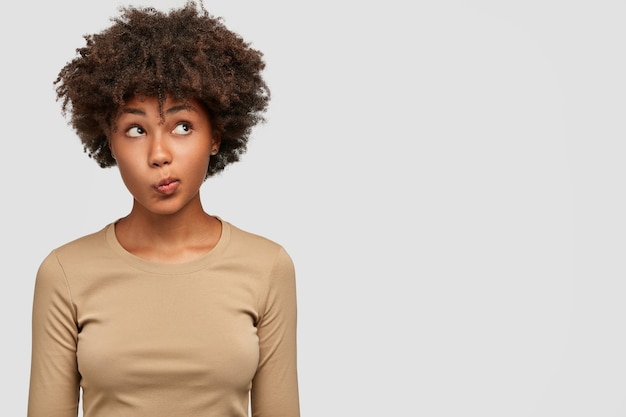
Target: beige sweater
<point>144,339</point>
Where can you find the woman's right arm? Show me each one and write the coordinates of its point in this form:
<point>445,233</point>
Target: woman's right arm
<point>54,377</point>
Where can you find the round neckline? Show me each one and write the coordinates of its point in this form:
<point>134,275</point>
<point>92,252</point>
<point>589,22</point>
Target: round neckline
<point>168,268</point>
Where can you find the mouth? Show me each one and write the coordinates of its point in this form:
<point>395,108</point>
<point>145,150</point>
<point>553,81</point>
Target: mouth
<point>167,186</point>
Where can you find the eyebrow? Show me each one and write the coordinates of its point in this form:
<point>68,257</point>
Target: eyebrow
<point>180,107</point>
<point>171,110</point>
<point>130,110</point>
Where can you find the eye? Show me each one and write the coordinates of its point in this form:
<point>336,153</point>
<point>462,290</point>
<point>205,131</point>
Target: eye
<point>182,128</point>
<point>135,132</point>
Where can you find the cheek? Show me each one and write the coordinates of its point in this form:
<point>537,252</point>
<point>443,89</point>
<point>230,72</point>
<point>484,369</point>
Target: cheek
<point>187,163</point>
<point>199,160</point>
<point>203,167</point>
<point>129,171</point>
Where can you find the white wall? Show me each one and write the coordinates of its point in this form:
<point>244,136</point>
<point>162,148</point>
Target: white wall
<point>447,176</point>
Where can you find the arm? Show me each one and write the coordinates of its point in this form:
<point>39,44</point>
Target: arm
<point>54,377</point>
<point>275,384</point>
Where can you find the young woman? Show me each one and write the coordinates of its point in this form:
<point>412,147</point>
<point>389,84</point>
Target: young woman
<point>168,311</point>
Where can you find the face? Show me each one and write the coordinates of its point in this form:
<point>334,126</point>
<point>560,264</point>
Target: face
<point>163,161</point>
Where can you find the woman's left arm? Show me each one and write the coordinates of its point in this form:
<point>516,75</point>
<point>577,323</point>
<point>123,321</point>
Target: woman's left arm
<point>275,384</point>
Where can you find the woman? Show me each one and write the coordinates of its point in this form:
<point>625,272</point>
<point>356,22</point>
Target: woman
<point>168,311</point>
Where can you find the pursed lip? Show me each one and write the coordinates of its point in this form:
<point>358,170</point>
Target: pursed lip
<point>167,185</point>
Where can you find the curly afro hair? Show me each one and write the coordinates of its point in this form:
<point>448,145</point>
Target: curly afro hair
<point>186,54</point>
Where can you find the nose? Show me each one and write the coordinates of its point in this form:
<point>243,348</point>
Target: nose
<point>159,154</point>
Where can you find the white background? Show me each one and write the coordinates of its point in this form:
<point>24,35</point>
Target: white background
<point>448,177</point>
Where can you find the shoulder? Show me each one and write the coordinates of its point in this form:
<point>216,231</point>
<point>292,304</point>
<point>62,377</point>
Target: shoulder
<point>52,274</point>
<point>80,249</point>
<point>257,248</point>
<point>245,239</point>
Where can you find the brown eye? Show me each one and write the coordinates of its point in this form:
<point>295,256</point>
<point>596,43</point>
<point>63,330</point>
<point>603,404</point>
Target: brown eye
<point>135,132</point>
<point>182,129</point>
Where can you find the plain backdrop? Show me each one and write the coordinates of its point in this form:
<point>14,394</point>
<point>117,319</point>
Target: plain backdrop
<point>447,175</point>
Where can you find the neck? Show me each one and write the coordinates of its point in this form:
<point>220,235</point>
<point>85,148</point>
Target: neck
<point>174,237</point>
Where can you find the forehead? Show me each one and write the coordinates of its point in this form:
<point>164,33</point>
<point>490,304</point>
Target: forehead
<point>152,107</point>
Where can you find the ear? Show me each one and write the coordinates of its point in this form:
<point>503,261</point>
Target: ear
<point>110,148</point>
<point>216,142</point>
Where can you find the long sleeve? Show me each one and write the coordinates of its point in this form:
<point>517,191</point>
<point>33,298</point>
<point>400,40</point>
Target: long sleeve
<point>214,336</point>
<point>54,379</point>
<point>275,385</point>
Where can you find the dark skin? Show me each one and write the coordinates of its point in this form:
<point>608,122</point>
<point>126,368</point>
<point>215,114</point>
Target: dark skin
<point>163,163</point>
<point>185,53</point>
<point>119,92</point>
